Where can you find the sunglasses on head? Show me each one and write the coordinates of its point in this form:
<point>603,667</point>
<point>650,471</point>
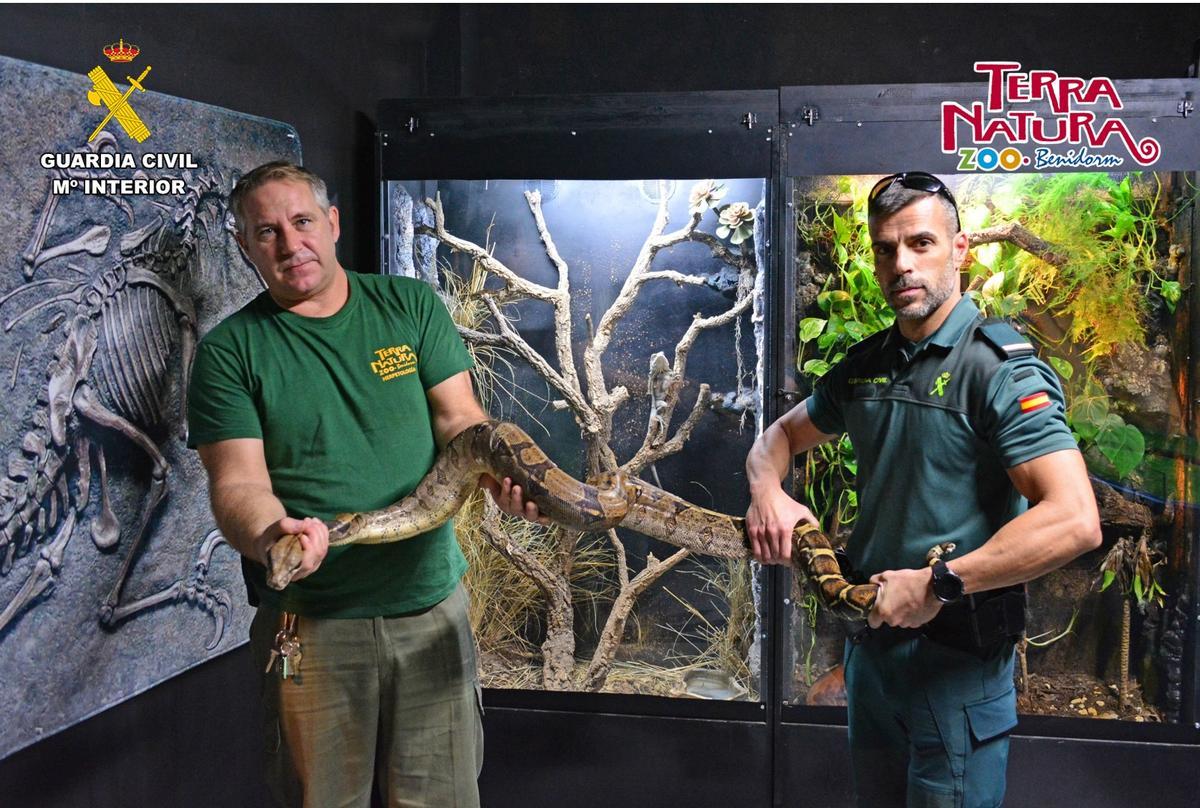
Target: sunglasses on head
<point>916,181</point>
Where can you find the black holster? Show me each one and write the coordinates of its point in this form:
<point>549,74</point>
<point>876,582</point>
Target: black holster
<point>981,623</point>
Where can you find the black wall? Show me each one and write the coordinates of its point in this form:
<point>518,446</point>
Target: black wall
<point>192,740</point>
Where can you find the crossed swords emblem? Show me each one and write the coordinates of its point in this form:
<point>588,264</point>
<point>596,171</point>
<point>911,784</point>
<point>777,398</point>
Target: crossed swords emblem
<point>105,92</point>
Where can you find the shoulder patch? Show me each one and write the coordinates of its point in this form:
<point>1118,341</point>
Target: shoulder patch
<point>1007,341</point>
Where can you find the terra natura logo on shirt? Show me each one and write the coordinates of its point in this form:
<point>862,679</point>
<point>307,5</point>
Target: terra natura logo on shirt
<point>398,360</point>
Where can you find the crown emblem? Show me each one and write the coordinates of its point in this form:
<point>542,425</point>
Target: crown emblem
<point>121,51</point>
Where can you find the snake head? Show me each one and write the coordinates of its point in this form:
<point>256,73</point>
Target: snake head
<point>283,559</point>
<point>939,551</point>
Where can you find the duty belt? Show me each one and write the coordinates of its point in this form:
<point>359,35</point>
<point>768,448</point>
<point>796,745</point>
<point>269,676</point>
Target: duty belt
<point>980,623</point>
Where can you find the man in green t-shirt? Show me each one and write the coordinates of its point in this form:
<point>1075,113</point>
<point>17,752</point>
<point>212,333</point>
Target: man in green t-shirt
<point>331,392</point>
<point>959,435</point>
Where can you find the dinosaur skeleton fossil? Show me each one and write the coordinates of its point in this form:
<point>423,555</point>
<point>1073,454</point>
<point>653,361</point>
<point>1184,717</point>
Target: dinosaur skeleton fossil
<point>120,327</point>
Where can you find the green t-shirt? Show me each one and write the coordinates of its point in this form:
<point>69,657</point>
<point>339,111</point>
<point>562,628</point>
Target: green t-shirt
<point>339,403</point>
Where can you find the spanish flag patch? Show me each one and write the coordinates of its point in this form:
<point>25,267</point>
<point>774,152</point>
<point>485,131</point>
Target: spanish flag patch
<point>1035,402</point>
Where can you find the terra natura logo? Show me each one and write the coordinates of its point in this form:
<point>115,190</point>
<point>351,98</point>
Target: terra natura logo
<point>1080,120</point>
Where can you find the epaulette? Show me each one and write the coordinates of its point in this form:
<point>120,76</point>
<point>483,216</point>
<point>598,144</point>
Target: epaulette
<point>1007,341</point>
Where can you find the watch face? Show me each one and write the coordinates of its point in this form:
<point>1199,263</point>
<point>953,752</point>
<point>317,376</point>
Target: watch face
<point>947,586</point>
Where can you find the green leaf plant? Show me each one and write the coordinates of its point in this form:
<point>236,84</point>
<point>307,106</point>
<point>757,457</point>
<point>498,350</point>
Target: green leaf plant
<point>1094,278</point>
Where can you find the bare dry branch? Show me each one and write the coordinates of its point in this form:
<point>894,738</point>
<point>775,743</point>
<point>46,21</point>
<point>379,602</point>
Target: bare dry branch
<point>622,559</point>
<point>485,258</point>
<point>703,323</point>
<point>562,303</point>
<point>655,241</point>
<point>650,453</point>
<point>719,249</point>
<point>1015,233</point>
<point>679,278</point>
<point>558,650</point>
<point>583,411</point>
<point>614,627</point>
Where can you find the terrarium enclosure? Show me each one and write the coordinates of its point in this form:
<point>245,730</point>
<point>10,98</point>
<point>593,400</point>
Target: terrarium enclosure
<point>654,325</point>
<point>619,323</point>
<point>1093,268</point>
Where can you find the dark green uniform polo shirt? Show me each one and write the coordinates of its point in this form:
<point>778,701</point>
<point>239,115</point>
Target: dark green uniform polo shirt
<point>934,427</point>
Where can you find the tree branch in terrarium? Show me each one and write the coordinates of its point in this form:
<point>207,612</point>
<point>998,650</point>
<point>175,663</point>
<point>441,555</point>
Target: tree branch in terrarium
<point>605,402</point>
<point>1017,234</point>
<point>562,301</point>
<point>568,387</point>
<point>719,250</point>
<point>594,410</point>
<point>614,626</point>
<point>483,256</point>
<point>558,649</point>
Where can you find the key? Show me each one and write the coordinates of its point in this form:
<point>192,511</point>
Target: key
<point>290,651</point>
<point>276,651</point>
<point>285,633</point>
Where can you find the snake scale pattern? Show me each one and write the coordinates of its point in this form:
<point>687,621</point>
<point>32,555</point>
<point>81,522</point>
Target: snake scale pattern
<point>504,450</point>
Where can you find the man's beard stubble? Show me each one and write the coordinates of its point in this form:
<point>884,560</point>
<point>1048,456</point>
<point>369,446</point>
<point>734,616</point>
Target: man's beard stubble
<point>935,296</point>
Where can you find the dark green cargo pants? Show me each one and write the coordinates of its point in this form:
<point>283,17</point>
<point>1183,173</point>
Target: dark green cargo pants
<point>929,724</point>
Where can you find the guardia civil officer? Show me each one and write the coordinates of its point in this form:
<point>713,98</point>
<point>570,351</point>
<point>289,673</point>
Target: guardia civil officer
<point>961,437</point>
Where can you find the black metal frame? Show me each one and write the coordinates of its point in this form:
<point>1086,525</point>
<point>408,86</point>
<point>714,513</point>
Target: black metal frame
<point>779,135</point>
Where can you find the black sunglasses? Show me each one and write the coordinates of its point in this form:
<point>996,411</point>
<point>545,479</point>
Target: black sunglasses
<point>916,181</point>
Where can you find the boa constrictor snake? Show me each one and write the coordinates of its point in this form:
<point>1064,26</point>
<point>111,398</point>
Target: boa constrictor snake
<point>502,450</point>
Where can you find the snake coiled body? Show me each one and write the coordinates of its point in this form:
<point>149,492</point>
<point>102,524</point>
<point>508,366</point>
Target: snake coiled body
<point>503,449</point>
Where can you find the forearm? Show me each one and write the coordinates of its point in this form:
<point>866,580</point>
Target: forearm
<point>1041,540</point>
<point>244,513</point>
<point>453,407</point>
<point>769,460</point>
<point>447,427</point>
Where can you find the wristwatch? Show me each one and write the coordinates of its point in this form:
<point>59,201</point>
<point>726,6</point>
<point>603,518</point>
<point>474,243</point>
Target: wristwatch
<point>947,587</point>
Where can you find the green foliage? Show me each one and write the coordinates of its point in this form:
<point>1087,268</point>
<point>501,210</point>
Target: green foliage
<point>830,470</point>
<point>809,605</point>
<point>1093,423</point>
<point>1103,231</point>
<point>854,307</point>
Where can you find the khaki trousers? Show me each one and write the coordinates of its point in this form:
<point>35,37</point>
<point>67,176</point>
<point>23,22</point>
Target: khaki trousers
<point>388,705</point>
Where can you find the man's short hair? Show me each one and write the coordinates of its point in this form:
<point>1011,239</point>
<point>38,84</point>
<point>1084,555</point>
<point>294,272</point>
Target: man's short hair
<point>897,197</point>
<point>271,172</point>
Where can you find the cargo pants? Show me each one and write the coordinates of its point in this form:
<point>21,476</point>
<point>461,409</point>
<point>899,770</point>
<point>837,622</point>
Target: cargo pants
<point>387,705</point>
<point>929,724</point>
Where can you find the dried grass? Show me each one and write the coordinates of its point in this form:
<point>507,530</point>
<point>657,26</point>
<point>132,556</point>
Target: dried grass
<point>724,647</point>
<point>507,607</point>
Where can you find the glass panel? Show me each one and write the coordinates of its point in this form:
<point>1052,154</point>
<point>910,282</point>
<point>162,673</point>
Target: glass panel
<point>1091,267</point>
<point>618,330</point>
